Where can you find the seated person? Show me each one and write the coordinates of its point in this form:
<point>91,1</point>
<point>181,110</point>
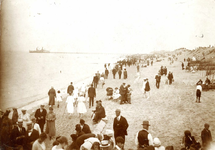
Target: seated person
<point>116,94</point>
<point>109,93</point>
<point>99,113</point>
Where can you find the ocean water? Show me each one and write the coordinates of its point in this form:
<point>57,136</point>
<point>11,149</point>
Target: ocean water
<point>26,77</point>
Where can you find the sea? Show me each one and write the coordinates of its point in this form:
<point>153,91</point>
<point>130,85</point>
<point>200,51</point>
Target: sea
<point>27,77</point>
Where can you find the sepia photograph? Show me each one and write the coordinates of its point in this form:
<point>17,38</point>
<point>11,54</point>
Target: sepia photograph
<point>107,75</point>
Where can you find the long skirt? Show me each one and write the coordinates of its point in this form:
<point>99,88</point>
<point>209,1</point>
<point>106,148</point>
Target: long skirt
<point>50,128</point>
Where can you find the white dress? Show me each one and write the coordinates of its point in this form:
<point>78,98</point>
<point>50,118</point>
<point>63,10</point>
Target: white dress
<point>81,108</point>
<point>58,97</point>
<point>143,87</point>
<point>70,101</point>
<point>25,118</point>
<point>116,94</point>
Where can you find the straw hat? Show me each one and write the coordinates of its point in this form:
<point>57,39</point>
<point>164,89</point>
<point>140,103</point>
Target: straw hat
<point>145,122</point>
<point>109,132</point>
<point>104,143</point>
<point>157,142</point>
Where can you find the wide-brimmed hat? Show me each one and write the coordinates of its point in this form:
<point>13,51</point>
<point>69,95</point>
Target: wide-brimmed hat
<point>104,143</point>
<point>109,133</point>
<point>145,122</point>
<point>23,109</point>
<point>157,142</point>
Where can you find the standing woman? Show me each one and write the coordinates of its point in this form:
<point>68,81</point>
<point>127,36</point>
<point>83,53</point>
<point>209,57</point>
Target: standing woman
<point>50,125</point>
<point>52,95</point>
<point>25,117</point>
<point>81,108</point>
<point>70,104</point>
<point>143,87</point>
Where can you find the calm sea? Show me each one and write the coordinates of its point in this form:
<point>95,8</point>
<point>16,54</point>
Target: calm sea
<point>26,77</point>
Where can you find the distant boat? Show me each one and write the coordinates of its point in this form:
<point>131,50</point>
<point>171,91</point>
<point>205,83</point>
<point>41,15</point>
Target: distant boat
<point>39,51</point>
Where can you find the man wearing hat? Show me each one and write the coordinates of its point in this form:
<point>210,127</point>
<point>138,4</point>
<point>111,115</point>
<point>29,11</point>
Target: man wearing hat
<point>31,136</point>
<point>40,116</point>
<point>52,95</point>
<point>120,125</point>
<point>18,134</point>
<point>91,95</point>
<point>144,138</point>
<point>99,112</point>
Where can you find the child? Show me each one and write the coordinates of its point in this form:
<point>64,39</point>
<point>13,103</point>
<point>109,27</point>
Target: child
<point>75,95</point>
<point>70,107</point>
<point>81,108</point>
<point>116,94</point>
<point>58,98</point>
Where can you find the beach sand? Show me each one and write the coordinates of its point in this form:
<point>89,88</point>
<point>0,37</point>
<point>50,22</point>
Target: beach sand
<point>170,110</point>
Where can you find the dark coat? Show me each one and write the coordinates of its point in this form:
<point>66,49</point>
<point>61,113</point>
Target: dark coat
<point>170,76</point>
<point>86,129</point>
<point>120,72</point>
<point>114,71</point>
<point>147,87</point>
<point>120,127</point>
<point>206,137</point>
<point>95,79</point>
<point>52,95</point>
<point>158,78</point>
<point>122,90</point>
<point>100,112</point>
<point>30,139</point>
<point>91,92</point>
<point>41,115</point>
<point>70,88</point>
<point>106,72</point>
<point>17,137</point>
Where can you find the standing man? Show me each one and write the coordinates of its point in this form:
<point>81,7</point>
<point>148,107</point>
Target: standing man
<point>114,72</point>
<point>158,79</point>
<point>120,73</point>
<point>143,138</point>
<point>123,93</point>
<point>95,80</point>
<point>120,125</point>
<point>70,88</point>
<point>91,95</point>
<point>138,68</point>
<point>40,116</point>
<point>52,95</point>
<point>170,77</point>
<point>206,137</point>
<point>198,92</point>
<point>106,73</point>
<point>147,89</point>
<point>125,74</point>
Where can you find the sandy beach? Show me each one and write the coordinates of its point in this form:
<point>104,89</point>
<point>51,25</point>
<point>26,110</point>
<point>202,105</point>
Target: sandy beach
<point>170,110</point>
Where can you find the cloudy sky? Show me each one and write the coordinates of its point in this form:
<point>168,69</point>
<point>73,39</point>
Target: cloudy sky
<point>114,26</point>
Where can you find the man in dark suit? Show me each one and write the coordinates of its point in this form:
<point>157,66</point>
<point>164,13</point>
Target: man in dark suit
<point>52,95</point>
<point>114,72</point>
<point>95,80</point>
<point>120,125</point>
<point>85,127</point>
<point>91,95</point>
<point>206,137</point>
<point>18,134</point>
<point>120,73</point>
<point>158,79</point>
<point>40,116</point>
<point>31,136</point>
<point>70,88</point>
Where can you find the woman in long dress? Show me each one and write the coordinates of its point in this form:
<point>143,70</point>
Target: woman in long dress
<point>143,88</point>
<point>70,104</point>
<point>50,123</point>
<point>81,108</point>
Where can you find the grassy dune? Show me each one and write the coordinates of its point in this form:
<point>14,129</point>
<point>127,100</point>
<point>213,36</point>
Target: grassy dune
<point>170,109</point>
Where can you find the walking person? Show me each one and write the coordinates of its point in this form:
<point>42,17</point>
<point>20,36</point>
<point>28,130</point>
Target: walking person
<point>114,72</point>
<point>138,68</point>
<point>81,108</point>
<point>120,73</point>
<point>170,77</point>
<point>147,89</point>
<point>198,93</point>
<point>120,125</point>
<point>70,104</point>
<point>52,95</point>
<point>158,79</point>
<point>143,138</point>
<point>125,74</point>
<point>50,123</point>
<point>182,66</point>
<point>70,88</point>
<point>106,73</point>
<point>58,98</point>
<point>206,137</point>
<point>165,70</point>
<point>91,95</point>
<point>40,116</point>
<point>95,80</point>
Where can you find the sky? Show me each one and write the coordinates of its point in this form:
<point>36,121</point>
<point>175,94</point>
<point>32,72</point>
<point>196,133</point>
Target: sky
<point>114,26</point>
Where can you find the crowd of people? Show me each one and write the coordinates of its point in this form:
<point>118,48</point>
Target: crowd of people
<point>27,132</point>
